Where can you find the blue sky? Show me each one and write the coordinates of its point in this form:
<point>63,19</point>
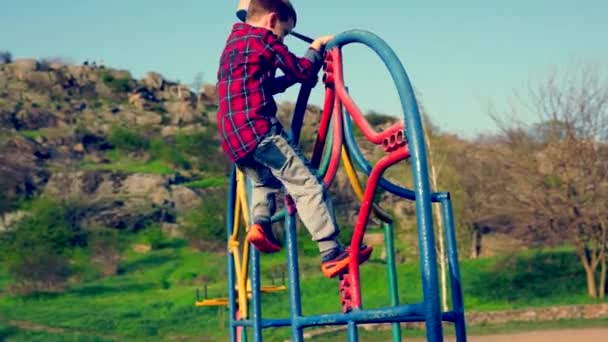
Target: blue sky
<point>459,55</point>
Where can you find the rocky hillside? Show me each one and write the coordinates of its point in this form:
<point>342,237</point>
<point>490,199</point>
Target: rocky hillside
<point>130,152</point>
<point>122,146</point>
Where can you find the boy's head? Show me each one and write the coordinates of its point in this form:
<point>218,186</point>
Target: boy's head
<point>278,16</point>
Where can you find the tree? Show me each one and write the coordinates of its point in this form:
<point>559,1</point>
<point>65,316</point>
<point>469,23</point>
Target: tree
<point>558,168</point>
<point>480,181</point>
<point>5,57</point>
<point>197,82</point>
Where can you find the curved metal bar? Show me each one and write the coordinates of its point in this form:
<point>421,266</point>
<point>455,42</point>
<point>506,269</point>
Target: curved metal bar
<point>356,184</point>
<point>363,165</point>
<point>422,191</point>
<point>232,308</point>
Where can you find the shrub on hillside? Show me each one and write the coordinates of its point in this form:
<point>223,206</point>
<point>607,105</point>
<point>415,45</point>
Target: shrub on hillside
<point>104,250</point>
<point>40,246</point>
<point>117,84</point>
<point>125,139</point>
<point>204,146</point>
<point>375,118</point>
<point>205,226</point>
<point>5,57</point>
<point>182,149</point>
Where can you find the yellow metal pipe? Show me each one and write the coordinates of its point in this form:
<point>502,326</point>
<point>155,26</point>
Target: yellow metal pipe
<point>356,184</point>
<point>241,267</point>
<point>242,194</point>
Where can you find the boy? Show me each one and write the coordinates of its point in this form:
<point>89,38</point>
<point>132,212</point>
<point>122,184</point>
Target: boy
<point>253,138</point>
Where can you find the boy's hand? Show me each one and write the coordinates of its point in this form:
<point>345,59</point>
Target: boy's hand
<point>320,42</point>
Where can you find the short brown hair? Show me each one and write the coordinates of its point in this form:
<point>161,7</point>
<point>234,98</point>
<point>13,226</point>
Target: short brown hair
<point>283,8</point>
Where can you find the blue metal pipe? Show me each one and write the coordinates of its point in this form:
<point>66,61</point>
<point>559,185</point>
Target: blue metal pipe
<point>422,191</point>
<point>452,252</point>
<point>381,315</point>
<point>293,272</point>
<point>363,165</point>
<point>254,264</point>
<point>231,271</point>
<point>353,334</point>
<point>276,323</point>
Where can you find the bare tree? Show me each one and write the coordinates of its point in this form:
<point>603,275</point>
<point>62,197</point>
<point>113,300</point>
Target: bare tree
<point>197,82</point>
<point>558,168</point>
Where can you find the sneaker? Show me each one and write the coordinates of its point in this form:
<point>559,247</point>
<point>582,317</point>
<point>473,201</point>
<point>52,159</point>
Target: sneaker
<point>262,237</point>
<point>336,262</point>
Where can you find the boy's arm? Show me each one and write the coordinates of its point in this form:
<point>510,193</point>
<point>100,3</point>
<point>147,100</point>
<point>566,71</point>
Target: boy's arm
<point>280,84</point>
<point>299,69</point>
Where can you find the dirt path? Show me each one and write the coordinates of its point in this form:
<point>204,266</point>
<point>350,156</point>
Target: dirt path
<point>559,335</point>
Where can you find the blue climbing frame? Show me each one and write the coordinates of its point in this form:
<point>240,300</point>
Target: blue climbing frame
<point>428,310</point>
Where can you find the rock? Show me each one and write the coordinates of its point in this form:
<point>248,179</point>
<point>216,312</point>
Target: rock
<point>114,199</point>
<point>184,93</point>
<point>40,79</point>
<point>169,131</point>
<point>35,118</point>
<point>56,66</point>
<point>26,64</point>
<point>141,248</point>
<point>154,81</point>
<point>148,118</point>
<point>142,98</point>
<point>144,185</point>
<point>79,148</point>
<point>184,199</point>
<point>182,113</point>
<point>8,220</point>
<point>171,230</point>
<point>209,94</point>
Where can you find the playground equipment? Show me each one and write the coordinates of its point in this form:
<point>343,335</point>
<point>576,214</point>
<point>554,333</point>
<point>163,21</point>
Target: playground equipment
<point>336,142</point>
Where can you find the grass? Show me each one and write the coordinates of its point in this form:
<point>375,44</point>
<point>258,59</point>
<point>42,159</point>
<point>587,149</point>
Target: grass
<point>133,166</point>
<point>208,182</point>
<point>121,162</point>
<point>47,132</point>
<point>152,297</point>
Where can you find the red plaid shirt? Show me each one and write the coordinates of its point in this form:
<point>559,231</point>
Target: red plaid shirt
<point>246,84</point>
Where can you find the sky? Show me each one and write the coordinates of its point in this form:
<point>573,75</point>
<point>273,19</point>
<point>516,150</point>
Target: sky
<point>461,56</point>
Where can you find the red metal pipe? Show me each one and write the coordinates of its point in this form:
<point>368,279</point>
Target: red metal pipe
<point>362,219</point>
<point>336,151</point>
<point>355,112</point>
<point>323,127</point>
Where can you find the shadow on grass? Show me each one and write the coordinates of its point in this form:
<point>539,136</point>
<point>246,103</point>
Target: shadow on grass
<point>523,278</point>
<point>95,290</point>
<point>146,262</point>
<point>175,243</point>
<point>7,331</point>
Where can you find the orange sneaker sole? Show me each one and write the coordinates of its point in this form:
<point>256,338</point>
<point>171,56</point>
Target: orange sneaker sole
<point>258,238</point>
<point>333,269</point>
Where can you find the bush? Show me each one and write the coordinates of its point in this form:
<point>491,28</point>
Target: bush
<point>39,270</point>
<point>205,226</point>
<point>104,250</point>
<point>118,85</point>
<point>40,246</point>
<point>204,146</point>
<point>6,57</point>
<point>181,149</point>
<point>166,152</point>
<point>376,119</point>
<point>125,139</point>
